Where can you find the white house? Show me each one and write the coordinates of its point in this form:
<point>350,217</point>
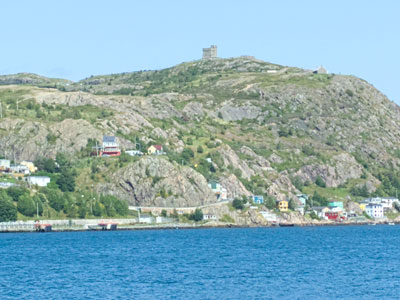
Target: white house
<point>4,164</point>
<point>209,217</point>
<point>146,219</point>
<point>220,192</point>
<point>38,180</point>
<point>374,210</point>
<point>134,152</point>
<point>22,169</point>
<point>269,216</point>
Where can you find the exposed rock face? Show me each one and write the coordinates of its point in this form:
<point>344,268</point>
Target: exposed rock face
<point>282,187</point>
<point>231,159</point>
<point>259,163</point>
<point>232,113</point>
<point>153,181</point>
<point>234,187</point>
<point>343,167</point>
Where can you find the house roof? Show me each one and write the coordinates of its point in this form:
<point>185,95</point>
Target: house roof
<point>158,147</point>
<point>108,139</point>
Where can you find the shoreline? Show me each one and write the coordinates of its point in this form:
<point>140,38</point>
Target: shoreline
<point>186,226</point>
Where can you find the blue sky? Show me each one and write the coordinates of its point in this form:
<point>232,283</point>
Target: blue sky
<point>76,39</point>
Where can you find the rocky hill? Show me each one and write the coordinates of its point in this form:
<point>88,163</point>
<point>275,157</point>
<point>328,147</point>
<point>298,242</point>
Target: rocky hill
<point>268,129</point>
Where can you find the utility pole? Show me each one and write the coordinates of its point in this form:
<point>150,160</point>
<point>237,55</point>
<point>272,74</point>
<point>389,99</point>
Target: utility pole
<point>1,111</point>
<point>37,210</point>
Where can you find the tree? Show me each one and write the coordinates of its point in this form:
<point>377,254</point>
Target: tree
<point>237,203</point>
<point>26,206</point>
<point>270,202</point>
<point>55,198</point>
<point>320,182</point>
<point>200,149</point>
<point>292,204</point>
<point>187,154</point>
<point>197,215</point>
<point>121,207</point>
<point>163,213</point>
<point>189,141</point>
<point>319,200</point>
<point>97,209</point>
<point>8,211</point>
<point>82,210</point>
<point>62,160</point>
<point>15,192</point>
<point>66,180</point>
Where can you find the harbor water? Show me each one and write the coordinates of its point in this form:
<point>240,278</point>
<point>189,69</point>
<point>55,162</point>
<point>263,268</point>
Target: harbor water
<point>342,262</point>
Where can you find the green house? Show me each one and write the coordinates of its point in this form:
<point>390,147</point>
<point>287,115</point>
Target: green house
<point>336,204</point>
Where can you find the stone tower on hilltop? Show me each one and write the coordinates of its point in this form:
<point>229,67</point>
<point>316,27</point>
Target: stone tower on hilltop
<point>210,52</point>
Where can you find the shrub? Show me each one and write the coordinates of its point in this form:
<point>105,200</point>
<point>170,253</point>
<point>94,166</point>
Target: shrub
<point>320,182</point>
<point>26,206</point>
<point>237,203</point>
<point>349,93</point>
<point>200,149</point>
<point>8,211</point>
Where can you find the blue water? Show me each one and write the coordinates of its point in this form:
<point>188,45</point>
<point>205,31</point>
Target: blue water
<point>353,262</point>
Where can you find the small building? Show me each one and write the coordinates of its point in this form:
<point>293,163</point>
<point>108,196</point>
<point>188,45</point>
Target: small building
<point>210,52</point>
<point>19,169</point>
<point>110,146</point>
<point>134,152</point>
<point>362,205</point>
<point>258,199</point>
<point>335,204</point>
<point>147,219</point>
<point>303,199</point>
<point>208,217</point>
<point>155,150</point>
<point>320,70</point>
<point>269,216</point>
<point>283,205</point>
<point>219,191</point>
<point>320,211</point>
<point>332,215</point>
<point>374,210</point>
<point>4,164</point>
<point>30,165</point>
<point>41,181</point>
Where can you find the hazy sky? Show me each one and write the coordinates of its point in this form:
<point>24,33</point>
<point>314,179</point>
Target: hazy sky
<point>76,39</point>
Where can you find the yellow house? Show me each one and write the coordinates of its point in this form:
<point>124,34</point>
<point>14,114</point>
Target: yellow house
<point>155,150</point>
<point>362,206</point>
<point>29,165</point>
<point>283,205</point>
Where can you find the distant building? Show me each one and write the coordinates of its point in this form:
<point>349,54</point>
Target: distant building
<point>374,210</point>
<point>335,204</point>
<point>320,211</point>
<point>210,52</point>
<point>283,205</point>
<point>155,150</point>
<point>4,164</point>
<point>219,191</point>
<point>209,217</point>
<point>134,152</point>
<point>269,216</point>
<point>20,169</point>
<point>110,146</point>
<point>30,165</point>
<point>41,181</point>
<point>258,199</point>
<point>302,198</point>
<point>320,70</point>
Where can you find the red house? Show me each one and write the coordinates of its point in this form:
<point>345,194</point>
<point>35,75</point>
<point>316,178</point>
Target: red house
<point>332,215</point>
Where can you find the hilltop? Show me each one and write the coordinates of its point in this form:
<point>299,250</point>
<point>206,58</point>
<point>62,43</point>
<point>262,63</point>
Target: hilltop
<point>268,129</point>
